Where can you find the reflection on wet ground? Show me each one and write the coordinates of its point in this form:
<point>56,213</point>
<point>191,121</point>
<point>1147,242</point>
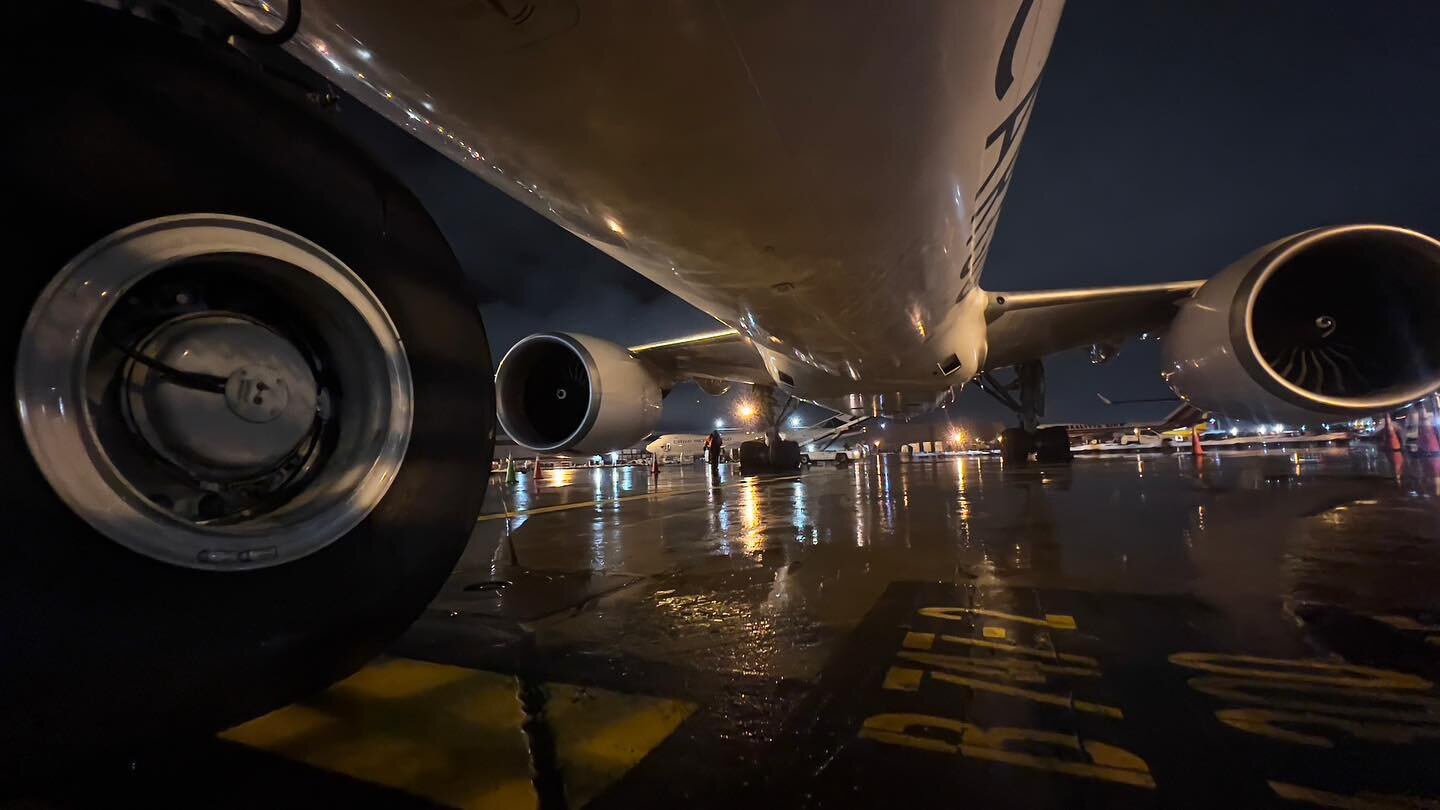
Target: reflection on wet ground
<point>1248,628</point>
<point>755,574</point>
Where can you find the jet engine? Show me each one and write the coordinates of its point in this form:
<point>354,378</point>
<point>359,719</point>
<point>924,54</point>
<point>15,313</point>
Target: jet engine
<point>1336,322</point>
<point>559,391</point>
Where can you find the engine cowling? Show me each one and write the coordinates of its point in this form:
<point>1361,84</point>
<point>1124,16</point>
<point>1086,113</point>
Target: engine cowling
<point>1334,322</point>
<point>560,391</point>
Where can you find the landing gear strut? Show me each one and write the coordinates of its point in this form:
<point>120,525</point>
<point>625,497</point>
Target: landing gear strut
<point>1025,396</point>
<point>773,454</point>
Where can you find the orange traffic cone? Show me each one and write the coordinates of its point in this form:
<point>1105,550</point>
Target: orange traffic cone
<point>1195,447</point>
<point>1429,442</point>
<point>1392,436</point>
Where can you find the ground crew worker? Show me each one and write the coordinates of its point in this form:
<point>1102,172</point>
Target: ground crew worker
<point>713,444</point>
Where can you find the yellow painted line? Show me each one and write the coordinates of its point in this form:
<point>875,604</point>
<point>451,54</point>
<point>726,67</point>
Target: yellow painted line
<point>644,496</point>
<point>1407,623</point>
<point>1060,621</point>
<point>447,734</point>
<point>991,631</point>
<point>454,735</point>
<point>1340,801</point>
<point>903,679</point>
<point>1057,621</point>
<point>1299,670</point>
<point>1016,649</point>
<point>1024,747</point>
<point>600,734</point>
<point>1048,698</point>
<point>1014,669</point>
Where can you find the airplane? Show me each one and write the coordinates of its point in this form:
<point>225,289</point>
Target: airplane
<point>253,388</point>
<point>814,440</point>
<point>1175,426</point>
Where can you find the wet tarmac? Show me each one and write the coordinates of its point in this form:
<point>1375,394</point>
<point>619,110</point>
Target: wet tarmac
<point>1250,629</point>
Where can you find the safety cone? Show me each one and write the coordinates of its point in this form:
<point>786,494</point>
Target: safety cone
<point>510,478</point>
<point>1195,447</point>
<point>1428,440</point>
<point>1392,436</point>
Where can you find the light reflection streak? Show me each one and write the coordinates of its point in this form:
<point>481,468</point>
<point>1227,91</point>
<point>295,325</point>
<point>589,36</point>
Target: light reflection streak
<point>751,537</point>
<point>800,518</point>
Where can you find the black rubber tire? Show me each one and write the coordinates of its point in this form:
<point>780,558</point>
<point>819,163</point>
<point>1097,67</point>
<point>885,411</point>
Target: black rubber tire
<point>103,647</point>
<point>1016,445</point>
<point>1052,446</point>
<point>842,459</point>
<point>754,457</point>
<point>786,457</point>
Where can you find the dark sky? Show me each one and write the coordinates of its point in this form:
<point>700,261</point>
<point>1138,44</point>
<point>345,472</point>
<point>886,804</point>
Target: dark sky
<point>1169,139</point>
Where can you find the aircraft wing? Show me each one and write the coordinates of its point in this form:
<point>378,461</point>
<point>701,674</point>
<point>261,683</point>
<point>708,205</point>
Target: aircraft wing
<point>722,356</point>
<point>1025,326</point>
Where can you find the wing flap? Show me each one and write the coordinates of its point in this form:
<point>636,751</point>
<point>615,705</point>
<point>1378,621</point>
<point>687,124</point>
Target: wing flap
<point>1029,325</point>
<point>721,355</point>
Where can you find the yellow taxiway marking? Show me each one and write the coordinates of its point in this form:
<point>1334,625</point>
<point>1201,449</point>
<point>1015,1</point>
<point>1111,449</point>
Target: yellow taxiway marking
<point>454,735</point>
<point>1340,801</point>
<point>644,496</point>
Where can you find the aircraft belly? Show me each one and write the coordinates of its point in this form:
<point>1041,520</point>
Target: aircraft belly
<point>817,174</point>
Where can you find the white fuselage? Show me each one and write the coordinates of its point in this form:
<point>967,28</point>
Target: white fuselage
<point>822,175</point>
<point>692,445</point>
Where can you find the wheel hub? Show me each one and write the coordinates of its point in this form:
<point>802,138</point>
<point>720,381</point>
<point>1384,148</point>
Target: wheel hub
<point>214,392</point>
<point>267,406</point>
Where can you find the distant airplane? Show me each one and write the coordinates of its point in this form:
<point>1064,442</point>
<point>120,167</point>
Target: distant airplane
<point>815,440</point>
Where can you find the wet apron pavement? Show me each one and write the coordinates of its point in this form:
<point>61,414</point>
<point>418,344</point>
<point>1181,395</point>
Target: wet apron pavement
<point>1255,629</point>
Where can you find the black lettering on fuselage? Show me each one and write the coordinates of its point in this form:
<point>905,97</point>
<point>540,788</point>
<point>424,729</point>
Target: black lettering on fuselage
<point>1005,68</point>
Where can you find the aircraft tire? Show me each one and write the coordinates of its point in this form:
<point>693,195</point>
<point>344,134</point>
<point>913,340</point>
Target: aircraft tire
<point>106,647</point>
<point>786,457</point>
<point>754,457</point>
<point>1016,445</point>
<point>1052,446</point>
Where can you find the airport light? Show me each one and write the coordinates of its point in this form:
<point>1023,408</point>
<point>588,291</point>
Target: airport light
<point>884,425</point>
<point>795,421</point>
<point>957,436</point>
<point>719,423</point>
<point>746,411</point>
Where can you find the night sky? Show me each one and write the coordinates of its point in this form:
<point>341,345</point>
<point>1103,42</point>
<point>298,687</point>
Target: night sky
<point>1169,139</point>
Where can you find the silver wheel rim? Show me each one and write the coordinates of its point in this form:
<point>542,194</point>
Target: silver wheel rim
<point>351,459</point>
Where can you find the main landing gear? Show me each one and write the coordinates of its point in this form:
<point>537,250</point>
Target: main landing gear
<point>254,397</point>
<point>773,455</point>
<point>1025,396</point>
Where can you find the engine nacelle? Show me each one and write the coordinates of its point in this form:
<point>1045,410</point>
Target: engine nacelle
<point>1338,322</point>
<point>559,391</point>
